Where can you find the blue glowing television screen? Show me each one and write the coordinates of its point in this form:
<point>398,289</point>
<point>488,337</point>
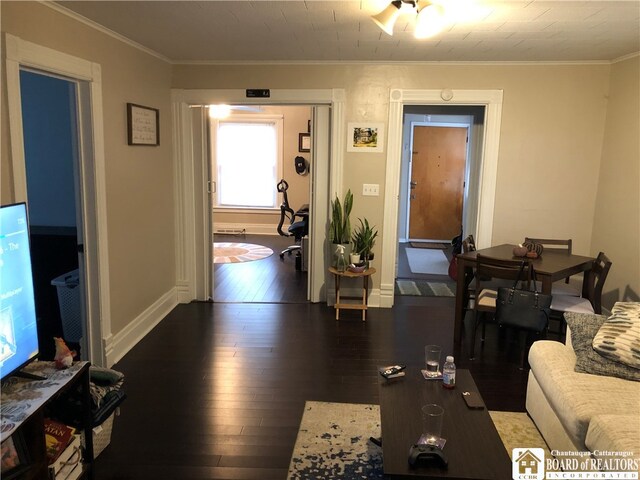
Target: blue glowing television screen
<point>18,326</point>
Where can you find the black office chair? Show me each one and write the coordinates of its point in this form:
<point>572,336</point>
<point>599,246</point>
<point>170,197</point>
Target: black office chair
<point>297,229</point>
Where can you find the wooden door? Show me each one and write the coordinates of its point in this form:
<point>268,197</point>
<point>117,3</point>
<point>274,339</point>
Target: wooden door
<point>437,182</point>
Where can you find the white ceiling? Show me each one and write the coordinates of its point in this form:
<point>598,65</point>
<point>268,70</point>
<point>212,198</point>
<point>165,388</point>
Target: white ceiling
<point>317,30</point>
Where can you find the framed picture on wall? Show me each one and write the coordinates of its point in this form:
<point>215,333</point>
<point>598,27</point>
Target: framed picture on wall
<point>304,142</point>
<point>365,137</point>
<point>143,125</point>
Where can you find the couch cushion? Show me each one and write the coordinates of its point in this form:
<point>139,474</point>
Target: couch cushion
<point>583,330</point>
<point>614,433</point>
<point>577,397</point>
<point>619,337</point>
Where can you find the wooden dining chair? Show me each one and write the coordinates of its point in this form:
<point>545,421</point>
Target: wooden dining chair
<point>485,304</point>
<point>468,244</point>
<point>553,244</point>
<point>592,303</point>
<point>558,245</point>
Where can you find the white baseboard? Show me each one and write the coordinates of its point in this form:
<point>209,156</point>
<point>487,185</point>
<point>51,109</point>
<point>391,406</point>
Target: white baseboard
<point>253,228</point>
<point>117,346</point>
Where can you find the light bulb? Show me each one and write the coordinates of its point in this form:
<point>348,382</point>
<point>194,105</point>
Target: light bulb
<point>219,111</point>
<point>430,20</point>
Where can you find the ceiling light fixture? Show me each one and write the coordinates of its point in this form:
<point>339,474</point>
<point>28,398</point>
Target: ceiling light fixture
<point>430,17</point>
<point>219,111</point>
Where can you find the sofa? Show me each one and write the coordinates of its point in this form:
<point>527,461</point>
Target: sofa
<point>581,400</point>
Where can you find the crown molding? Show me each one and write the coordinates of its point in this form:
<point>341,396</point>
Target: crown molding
<point>625,57</point>
<point>382,62</point>
<point>103,29</point>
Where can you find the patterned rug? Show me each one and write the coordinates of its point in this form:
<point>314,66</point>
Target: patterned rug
<point>423,288</point>
<point>333,440</point>
<point>239,252</point>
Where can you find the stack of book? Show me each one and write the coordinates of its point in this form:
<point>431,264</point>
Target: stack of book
<point>64,452</point>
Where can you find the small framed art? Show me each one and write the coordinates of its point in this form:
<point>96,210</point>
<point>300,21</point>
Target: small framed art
<point>304,142</point>
<point>143,125</point>
<point>365,137</point>
<point>14,455</point>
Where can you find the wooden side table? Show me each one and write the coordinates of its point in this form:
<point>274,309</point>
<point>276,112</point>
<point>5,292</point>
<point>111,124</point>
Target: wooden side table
<point>365,291</point>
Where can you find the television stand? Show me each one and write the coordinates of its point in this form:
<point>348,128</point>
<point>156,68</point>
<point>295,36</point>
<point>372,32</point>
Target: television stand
<point>26,403</point>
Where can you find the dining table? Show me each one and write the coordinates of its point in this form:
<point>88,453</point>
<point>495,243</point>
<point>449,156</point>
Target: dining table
<point>551,266</point>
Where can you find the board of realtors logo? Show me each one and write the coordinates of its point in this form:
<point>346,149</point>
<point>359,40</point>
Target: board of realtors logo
<point>528,463</point>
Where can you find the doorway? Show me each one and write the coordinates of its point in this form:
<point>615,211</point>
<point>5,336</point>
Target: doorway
<point>193,224</point>
<point>89,141</point>
<point>436,171</point>
<point>245,202</point>
<point>49,116</point>
<point>481,179</point>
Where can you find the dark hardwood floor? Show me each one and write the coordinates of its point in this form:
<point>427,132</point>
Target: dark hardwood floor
<point>270,280</point>
<point>217,390</point>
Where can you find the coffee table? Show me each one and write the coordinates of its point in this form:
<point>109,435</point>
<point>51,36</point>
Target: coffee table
<point>473,446</point>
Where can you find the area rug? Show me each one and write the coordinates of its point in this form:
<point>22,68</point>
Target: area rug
<point>239,252</point>
<point>430,245</point>
<point>423,288</point>
<point>423,260</point>
<point>333,440</point>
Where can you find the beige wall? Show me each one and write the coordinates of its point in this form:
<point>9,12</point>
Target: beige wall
<point>553,146</point>
<point>616,224</point>
<point>139,180</point>
<point>553,121</point>
<point>295,121</point>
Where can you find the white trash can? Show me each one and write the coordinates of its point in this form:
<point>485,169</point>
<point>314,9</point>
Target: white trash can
<point>68,289</point>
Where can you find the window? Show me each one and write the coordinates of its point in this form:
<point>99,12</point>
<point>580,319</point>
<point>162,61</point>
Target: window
<point>247,159</point>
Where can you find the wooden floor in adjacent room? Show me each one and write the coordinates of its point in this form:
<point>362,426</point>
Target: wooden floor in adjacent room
<point>217,390</point>
<point>269,280</point>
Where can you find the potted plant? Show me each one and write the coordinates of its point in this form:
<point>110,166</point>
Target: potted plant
<point>364,238</point>
<point>340,224</point>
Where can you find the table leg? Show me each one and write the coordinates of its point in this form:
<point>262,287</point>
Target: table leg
<point>460,286</point>
<point>365,296</point>
<point>337,282</point>
<point>546,284</point>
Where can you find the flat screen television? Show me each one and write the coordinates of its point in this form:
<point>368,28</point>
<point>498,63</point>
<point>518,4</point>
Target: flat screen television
<point>18,326</point>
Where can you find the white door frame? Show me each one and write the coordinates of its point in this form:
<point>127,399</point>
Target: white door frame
<point>191,209</point>
<point>91,150</point>
<point>398,98</point>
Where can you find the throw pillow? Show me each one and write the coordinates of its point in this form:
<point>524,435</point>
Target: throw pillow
<point>619,337</point>
<point>583,329</point>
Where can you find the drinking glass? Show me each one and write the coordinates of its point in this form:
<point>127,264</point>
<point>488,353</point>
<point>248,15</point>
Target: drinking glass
<point>432,415</point>
<point>432,360</point>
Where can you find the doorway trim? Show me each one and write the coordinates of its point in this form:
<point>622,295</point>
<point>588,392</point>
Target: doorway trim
<point>191,223</point>
<point>27,54</point>
<point>398,98</point>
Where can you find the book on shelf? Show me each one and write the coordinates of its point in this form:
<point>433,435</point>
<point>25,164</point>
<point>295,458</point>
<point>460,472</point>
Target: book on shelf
<point>57,437</point>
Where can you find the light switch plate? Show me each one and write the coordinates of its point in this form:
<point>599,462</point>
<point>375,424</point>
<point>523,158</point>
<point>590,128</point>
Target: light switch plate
<point>370,189</point>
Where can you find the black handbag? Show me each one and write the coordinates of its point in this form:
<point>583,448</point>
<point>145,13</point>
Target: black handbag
<point>526,309</point>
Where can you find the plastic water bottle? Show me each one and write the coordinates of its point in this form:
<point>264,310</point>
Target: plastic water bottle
<point>341,261</point>
<point>449,373</point>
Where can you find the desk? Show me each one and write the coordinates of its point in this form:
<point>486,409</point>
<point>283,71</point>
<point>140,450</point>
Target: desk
<point>365,291</point>
<point>550,267</point>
